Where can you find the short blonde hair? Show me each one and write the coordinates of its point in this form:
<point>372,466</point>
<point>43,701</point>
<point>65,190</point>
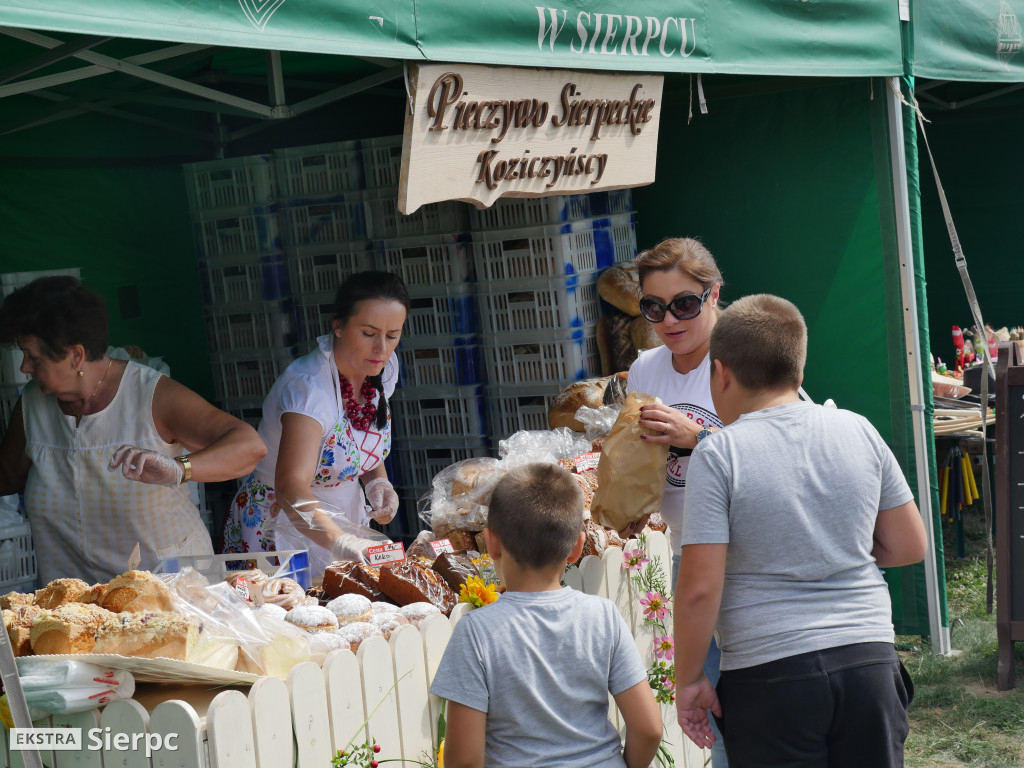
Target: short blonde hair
<point>686,254</point>
<point>763,340</point>
<point>537,512</point>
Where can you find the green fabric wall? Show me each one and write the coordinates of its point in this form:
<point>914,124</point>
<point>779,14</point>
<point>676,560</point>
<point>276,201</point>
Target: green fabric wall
<point>780,185</point>
<point>123,227</point>
<point>980,171</point>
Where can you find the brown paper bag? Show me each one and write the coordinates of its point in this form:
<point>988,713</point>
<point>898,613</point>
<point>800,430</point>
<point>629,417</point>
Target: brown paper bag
<point>631,472</point>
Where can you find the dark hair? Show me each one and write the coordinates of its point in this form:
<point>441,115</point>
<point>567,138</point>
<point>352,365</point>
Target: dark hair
<point>537,512</point>
<point>368,286</point>
<point>60,312</point>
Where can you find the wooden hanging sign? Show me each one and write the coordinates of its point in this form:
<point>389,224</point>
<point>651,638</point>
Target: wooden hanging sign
<point>479,133</point>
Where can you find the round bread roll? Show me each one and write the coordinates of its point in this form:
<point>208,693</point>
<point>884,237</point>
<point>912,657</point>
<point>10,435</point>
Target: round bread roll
<point>589,392</point>
<point>642,334</point>
<point>619,285</point>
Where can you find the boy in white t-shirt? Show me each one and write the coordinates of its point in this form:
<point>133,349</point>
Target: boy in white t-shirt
<point>527,678</point>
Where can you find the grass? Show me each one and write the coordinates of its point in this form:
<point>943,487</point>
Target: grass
<point>959,717</point>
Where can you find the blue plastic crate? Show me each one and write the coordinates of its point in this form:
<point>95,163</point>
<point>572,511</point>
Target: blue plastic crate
<point>446,361</point>
<point>615,239</point>
<point>439,412</point>
<point>237,280</point>
<point>450,312</point>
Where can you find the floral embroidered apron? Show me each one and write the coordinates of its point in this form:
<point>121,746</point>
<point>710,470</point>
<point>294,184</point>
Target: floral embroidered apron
<point>254,521</point>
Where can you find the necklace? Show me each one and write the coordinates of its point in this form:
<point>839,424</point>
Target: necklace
<point>359,416</point>
<point>81,411</point>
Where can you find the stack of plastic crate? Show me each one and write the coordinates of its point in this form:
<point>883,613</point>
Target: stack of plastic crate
<point>438,408</point>
<point>248,309</point>
<point>324,218</point>
<point>537,262</point>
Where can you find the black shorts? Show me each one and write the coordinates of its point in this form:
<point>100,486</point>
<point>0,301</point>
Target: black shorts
<point>843,707</point>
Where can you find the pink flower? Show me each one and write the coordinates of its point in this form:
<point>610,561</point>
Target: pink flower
<point>663,647</point>
<point>635,559</point>
<point>670,685</point>
<point>656,606</point>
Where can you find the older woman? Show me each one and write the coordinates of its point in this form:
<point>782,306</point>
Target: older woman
<point>328,426</point>
<point>84,414</point>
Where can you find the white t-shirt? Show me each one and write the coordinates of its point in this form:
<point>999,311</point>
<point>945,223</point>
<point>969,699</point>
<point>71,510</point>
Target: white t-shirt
<point>653,374</point>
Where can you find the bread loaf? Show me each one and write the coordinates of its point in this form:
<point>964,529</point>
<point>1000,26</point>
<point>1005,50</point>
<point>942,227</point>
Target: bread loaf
<point>588,392</point>
<point>136,591</point>
<point>15,599</point>
<point>71,628</point>
<point>619,285</point>
<point>407,582</point>
<point>148,635</point>
<point>18,623</point>
<point>642,335</point>
<point>614,344</point>
<point>60,591</point>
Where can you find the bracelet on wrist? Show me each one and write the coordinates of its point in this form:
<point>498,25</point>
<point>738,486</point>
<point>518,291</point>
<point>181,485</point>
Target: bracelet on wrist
<point>186,467</point>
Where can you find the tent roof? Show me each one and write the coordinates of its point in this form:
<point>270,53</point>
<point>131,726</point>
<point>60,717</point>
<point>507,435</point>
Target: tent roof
<point>829,37</point>
<point>976,40</point>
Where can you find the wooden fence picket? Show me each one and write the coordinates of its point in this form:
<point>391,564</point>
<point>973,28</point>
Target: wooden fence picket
<point>309,715</point>
<point>124,718</point>
<point>273,736</point>
<point>229,732</point>
<point>379,696</point>
<point>86,758</point>
<point>345,699</point>
<point>593,576</point>
<point>411,687</point>
<point>436,632</point>
<point>181,736</point>
<point>460,610</point>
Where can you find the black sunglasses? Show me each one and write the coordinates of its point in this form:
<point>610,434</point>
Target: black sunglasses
<point>684,307</point>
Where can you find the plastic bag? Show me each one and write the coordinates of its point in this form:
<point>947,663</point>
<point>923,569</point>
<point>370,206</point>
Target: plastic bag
<point>598,422</point>
<point>286,646</point>
<point>631,472</point>
<point>460,495</point>
<point>66,686</point>
<point>551,445</point>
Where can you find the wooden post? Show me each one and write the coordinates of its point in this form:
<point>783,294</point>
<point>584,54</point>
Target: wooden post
<point>1009,510</point>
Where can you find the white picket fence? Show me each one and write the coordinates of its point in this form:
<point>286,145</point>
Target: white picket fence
<point>381,692</point>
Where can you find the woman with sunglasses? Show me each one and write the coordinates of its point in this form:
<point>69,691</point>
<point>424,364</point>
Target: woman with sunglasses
<point>679,297</point>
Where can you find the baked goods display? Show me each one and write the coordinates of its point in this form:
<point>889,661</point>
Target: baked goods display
<point>456,567</point>
<point>409,582</point>
<point>312,618</point>
<point>619,285</point>
<point>350,609</point>
<point>286,593</point>
<point>346,577</point>
<point>60,591</point>
<point>70,628</point>
<point>357,632</point>
<point>592,393</point>
<point>149,635</point>
<point>136,591</point>
<point>624,333</point>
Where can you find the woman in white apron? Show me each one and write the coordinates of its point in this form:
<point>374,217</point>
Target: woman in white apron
<point>327,425</point>
<point>84,414</point>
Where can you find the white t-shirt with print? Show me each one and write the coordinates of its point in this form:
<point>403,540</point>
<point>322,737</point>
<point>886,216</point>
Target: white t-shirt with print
<point>653,374</point>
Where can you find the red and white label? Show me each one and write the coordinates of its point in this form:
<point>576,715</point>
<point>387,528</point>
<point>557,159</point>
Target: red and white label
<point>587,461</point>
<point>386,553</point>
<point>441,546</point>
<point>242,588</point>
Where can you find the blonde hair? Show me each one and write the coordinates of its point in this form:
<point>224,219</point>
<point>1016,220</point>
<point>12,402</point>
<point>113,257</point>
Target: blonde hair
<point>763,340</point>
<point>537,512</point>
<point>686,254</point>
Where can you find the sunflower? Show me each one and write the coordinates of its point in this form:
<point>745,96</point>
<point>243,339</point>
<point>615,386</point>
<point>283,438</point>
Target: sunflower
<point>477,593</point>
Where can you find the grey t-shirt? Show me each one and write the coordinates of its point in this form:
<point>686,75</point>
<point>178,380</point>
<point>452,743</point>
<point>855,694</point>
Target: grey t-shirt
<point>541,665</point>
<point>794,491</point>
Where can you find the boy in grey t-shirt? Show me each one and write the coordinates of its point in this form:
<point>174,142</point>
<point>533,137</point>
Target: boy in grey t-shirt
<point>527,678</point>
<point>790,511</point>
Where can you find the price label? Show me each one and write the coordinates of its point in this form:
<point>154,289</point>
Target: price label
<point>587,461</point>
<point>242,588</point>
<point>135,558</point>
<point>441,546</point>
<point>386,553</point>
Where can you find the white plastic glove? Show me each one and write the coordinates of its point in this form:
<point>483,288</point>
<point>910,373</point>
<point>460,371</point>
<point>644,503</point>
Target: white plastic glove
<point>349,547</point>
<point>383,500</point>
<point>146,466</point>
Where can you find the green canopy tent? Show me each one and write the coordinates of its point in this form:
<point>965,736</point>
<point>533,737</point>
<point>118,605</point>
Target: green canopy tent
<point>796,178</point>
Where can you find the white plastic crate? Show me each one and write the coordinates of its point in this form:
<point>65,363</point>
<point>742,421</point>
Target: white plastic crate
<point>539,358</point>
<point>615,239</point>
<point>238,181</point>
<point>241,279</point>
<point>237,232</point>
<point>382,161</point>
<point>515,408</point>
<point>532,252</point>
<point>248,376</point>
<point>518,212</point>
<point>439,412</point>
<point>319,169</point>
<point>336,218</point>
<point>10,355</point>
<point>320,269</point>
<point>417,461</point>
<point>249,410</point>
<point>451,311</point>
<point>383,219</point>
<point>548,303</point>
<point>288,563</point>
<point>428,262</point>
<point>439,362</point>
<point>610,202</point>
<point>255,326</point>
<point>17,558</point>
<point>315,315</point>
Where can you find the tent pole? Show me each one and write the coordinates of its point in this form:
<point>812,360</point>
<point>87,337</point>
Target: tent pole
<point>912,344</point>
